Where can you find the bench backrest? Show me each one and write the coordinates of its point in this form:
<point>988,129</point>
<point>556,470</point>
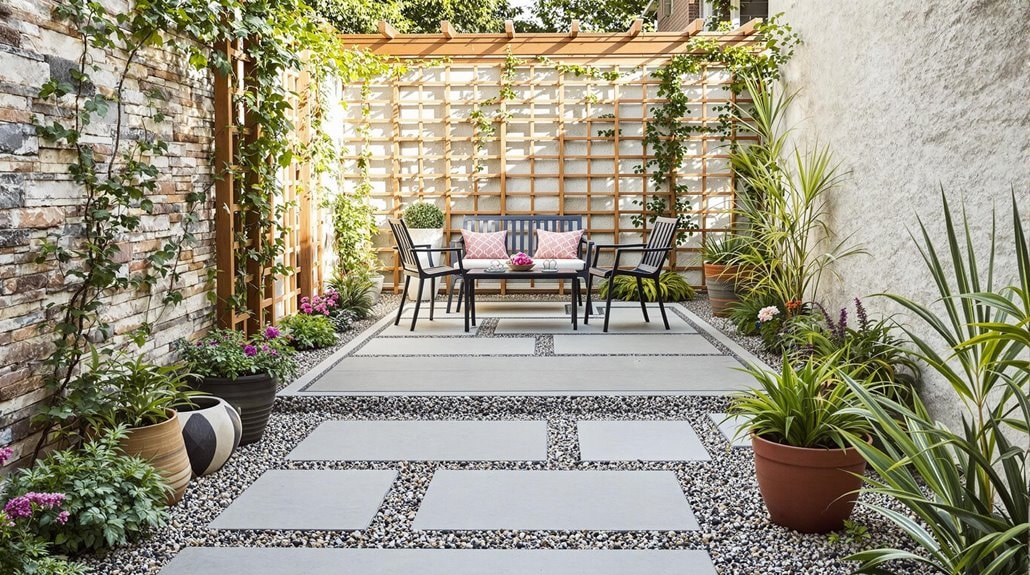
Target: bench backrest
<point>522,229</point>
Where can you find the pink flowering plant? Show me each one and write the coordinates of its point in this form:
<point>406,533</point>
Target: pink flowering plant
<point>22,549</point>
<point>521,259</point>
<point>325,304</point>
<point>230,354</point>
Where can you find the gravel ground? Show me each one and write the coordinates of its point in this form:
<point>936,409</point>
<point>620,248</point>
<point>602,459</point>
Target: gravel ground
<point>734,528</point>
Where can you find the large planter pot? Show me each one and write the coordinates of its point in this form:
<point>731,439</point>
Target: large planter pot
<point>722,284</point>
<point>434,238</point>
<point>377,288</point>
<point>807,490</point>
<point>161,444</point>
<point>252,395</point>
<point>212,430</point>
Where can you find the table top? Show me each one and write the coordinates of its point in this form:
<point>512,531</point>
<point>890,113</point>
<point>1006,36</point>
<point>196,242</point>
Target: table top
<point>535,273</point>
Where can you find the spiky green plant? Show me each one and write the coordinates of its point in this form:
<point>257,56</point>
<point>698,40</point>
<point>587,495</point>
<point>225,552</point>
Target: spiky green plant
<point>968,489</point>
<point>674,288</point>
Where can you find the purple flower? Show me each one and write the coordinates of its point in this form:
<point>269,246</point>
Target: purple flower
<point>46,500</point>
<point>272,332</point>
<point>250,350</point>
<point>18,508</point>
<point>5,454</point>
<point>863,318</point>
<point>62,517</point>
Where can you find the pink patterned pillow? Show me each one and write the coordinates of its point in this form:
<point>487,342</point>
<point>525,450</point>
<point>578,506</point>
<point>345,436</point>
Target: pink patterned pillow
<point>558,245</point>
<point>485,246</point>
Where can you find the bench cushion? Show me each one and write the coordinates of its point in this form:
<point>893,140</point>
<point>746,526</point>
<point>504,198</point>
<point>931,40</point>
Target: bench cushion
<point>564,264</point>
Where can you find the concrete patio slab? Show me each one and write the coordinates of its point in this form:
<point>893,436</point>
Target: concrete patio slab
<point>611,343</point>
<point>625,321</point>
<point>439,326</point>
<point>292,561</point>
<point>639,441</point>
<point>425,441</point>
<point>558,500</point>
<point>308,500</point>
<point>449,346</point>
<point>540,375</point>
<point>729,426</point>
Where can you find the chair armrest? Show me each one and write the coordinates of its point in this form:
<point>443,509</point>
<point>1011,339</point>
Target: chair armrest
<point>639,250</point>
<point>592,261</point>
<point>428,248</point>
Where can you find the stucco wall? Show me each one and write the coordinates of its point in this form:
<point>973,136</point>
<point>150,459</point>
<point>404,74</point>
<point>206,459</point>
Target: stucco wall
<point>912,96</point>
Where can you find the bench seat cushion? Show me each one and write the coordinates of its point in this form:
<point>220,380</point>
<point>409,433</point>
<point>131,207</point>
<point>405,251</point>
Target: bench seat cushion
<point>485,263</point>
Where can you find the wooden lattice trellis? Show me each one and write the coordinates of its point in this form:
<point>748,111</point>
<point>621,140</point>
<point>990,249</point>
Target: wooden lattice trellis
<point>570,145</point>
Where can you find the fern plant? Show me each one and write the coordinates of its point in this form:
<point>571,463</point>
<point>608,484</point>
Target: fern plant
<point>672,284</point>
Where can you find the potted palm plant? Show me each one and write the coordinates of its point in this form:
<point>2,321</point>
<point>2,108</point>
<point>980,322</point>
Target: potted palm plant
<point>799,421</point>
<point>143,397</point>
<point>425,226</point>
<point>721,271</point>
<point>243,371</point>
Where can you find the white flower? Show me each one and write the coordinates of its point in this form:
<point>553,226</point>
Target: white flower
<point>767,313</point>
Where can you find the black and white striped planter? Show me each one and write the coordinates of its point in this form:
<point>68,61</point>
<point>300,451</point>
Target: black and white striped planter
<point>212,431</point>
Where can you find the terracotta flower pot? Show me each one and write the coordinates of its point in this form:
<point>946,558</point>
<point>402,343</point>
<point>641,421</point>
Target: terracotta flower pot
<point>807,490</point>
<point>252,395</point>
<point>161,444</point>
<point>721,281</point>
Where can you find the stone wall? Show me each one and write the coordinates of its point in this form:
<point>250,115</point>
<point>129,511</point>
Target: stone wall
<point>913,96</point>
<point>38,199</point>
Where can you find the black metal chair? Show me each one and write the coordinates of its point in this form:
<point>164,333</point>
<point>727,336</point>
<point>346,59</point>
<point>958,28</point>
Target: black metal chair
<point>412,266</point>
<point>654,253</point>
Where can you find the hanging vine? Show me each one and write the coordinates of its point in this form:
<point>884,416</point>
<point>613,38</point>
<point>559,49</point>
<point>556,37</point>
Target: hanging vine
<point>484,120</point>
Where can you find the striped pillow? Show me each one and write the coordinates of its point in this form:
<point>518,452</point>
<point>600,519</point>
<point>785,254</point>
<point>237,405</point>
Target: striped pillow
<point>485,246</point>
<point>558,245</point>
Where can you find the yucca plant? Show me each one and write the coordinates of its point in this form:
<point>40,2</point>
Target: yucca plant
<point>968,489</point>
<point>672,284</point>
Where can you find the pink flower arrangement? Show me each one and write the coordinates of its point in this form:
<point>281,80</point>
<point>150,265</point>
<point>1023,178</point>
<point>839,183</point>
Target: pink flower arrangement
<point>768,313</point>
<point>521,259</point>
<point>320,305</point>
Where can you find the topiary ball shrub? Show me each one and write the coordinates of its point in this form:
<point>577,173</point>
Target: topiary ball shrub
<point>111,498</point>
<point>672,284</point>
<point>423,215</point>
<point>309,331</point>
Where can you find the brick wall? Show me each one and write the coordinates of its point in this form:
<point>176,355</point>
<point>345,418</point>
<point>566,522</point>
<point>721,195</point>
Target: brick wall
<point>682,14</point>
<point>37,198</point>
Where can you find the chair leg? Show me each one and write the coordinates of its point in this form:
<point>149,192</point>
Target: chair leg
<point>450,291</point>
<point>432,297</point>
<point>586,314</point>
<point>640,294</point>
<point>661,305</point>
<point>404,296</point>
<point>608,303</point>
<point>461,294</point>
<point>418,302</point>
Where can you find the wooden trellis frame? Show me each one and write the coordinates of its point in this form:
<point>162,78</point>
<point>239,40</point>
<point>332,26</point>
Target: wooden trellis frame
<point>548,157</point>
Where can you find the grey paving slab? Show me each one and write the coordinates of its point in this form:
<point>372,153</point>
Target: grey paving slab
<point>612,343</point>
<point>639,441</point>
<point>449,346</point>
<point>308,500</point>
<point>536,375</point>
<point>626,321</point>
<point>729,425</point>
<point>501,309</point>
<point>294,561</point>
<point>439,326</point>
<point>558,500</point>
<point>425,441</point>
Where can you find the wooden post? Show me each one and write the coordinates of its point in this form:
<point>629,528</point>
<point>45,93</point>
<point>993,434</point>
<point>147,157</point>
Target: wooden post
<point>225,257</point>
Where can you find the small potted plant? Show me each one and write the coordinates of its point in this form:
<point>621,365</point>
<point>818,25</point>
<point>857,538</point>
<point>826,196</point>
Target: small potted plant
<point>425,226</point>
<point>143,397</point>
<point>722,271</point>
<point>243,371</point>
<point>799,420</point>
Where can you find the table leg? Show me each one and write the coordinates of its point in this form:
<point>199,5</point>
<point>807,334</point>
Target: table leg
<point>575,310</point>
<point>468,306</point>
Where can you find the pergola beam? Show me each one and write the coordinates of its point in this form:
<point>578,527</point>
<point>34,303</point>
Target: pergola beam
<point>574,29</point>
<point>509,29</point>
<point>694,27</point>
<point>388,31</point>
<point>748,28</point>
<point>446,29</point>
<point>635,28</point>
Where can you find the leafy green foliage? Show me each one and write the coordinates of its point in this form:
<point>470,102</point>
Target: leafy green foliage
<point>111,498</point>
<point>725,250</point>
<point>413,16</point>
<point>595,15</point>
<point>854,532</point>
<point>968,488</point>
<point>423,215</point>
<point>309,331</point>
<point>230,354</point>
<point>672,284</point>
<point>353,296</point>
<point>801,407</point>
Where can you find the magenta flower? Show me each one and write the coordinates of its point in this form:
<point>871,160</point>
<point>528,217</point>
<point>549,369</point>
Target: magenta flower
<point>18,508</point>
<point>62,517</point>
<point>5,454</point>
<point>521,259</point>
<point>272,332</point>
<point>250,350</point>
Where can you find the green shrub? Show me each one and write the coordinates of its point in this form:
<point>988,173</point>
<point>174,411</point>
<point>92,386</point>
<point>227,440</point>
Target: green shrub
<point>423,215</point>
<point>352,295</point>
<point>230,354</point>
<point>672,284</point>
<point>744,314</point>
<point>725,250</point>
<point>309,331</point>
<point>111,498</point>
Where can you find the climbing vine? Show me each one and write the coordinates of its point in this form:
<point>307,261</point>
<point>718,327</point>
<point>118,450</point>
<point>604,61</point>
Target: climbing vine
<point>484,121</point>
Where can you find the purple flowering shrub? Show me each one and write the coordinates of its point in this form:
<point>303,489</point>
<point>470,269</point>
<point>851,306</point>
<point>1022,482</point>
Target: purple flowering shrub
<point>230,354</point>
<point>324,304</point>
<point>22,548</point>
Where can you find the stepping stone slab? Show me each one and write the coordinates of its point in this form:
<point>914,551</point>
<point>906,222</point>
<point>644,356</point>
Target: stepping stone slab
<point>308,500</point>
<point>425,441</point>
<point>300,561</point>
<point>439,326</point>
<point>623,321</point>
<point>608,344</point>
<point>639,441</point>
<point>729,426</point>
<point>449,346</point>
<point>558,500</point>
<point>534,375</point>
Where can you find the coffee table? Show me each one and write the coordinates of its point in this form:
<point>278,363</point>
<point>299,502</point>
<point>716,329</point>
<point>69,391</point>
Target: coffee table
<point>537,273</point>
